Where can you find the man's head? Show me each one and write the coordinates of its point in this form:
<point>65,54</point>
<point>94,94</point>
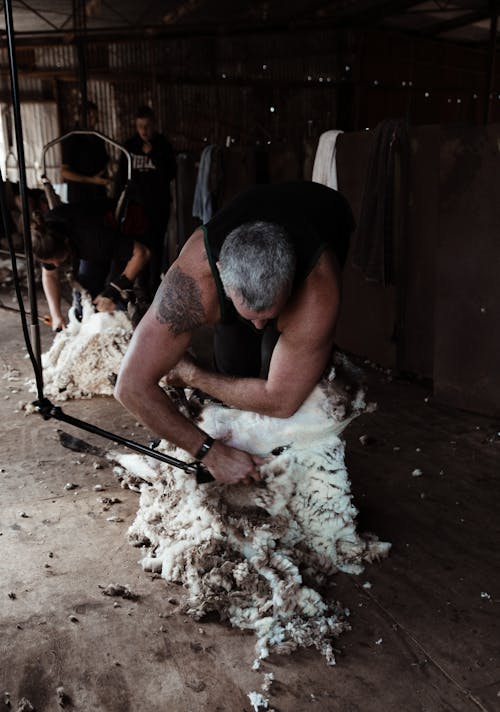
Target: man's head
<point>89,111</point>
<point>49,240</point>
<point>257,267</point>
<point>36,202</point>
<point>145,123</point>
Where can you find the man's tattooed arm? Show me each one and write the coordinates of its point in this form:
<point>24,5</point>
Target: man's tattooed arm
<point>178,302</point>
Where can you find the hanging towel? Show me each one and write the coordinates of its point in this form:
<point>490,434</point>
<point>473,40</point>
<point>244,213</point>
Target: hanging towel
<point>202,203</point>
<point>325,163</point>
<point>383,204</point>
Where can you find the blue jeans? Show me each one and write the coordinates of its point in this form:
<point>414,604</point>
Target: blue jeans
<point>93,276</point>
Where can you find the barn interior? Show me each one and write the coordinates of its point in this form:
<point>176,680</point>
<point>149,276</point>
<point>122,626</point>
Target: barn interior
<point>263,82</point>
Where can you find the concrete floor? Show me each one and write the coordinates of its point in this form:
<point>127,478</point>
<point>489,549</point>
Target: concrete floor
<point>425,637</point>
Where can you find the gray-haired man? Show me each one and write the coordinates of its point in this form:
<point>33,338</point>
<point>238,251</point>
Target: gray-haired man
<point>265,272</point>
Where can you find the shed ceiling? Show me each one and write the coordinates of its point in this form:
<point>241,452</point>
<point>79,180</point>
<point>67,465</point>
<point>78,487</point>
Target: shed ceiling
<point>455,20</point>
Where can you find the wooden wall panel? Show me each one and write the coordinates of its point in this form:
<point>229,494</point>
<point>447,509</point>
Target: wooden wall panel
<point>418,264</point>
<point>467,319</point>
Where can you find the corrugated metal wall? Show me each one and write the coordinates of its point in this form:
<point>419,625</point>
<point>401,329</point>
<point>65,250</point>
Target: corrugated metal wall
<point>426,82</point>
<point>208,88</point>
<point>274,92</point>
<point>62,57</point>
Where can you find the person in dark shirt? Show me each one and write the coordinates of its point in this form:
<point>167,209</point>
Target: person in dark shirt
<point>153,167</point>
<point>84,162</point>
<point>268,264</point>
<point>86,239</point>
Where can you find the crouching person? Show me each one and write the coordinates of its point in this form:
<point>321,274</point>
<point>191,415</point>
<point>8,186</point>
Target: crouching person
<point>85,240</point>
<point>265,273</point>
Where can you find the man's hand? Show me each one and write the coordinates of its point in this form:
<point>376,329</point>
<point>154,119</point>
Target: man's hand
<point>58,323</point>
<point>183,373</point>
<point>230,466</point>
<point>104,304</point>
<point>100,179</point>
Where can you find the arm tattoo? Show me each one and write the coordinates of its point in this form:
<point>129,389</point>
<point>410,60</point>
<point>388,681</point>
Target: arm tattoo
<point>178,302</point>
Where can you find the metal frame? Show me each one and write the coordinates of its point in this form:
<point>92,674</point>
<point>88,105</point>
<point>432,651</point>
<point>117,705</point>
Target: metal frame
<point>87,132</point>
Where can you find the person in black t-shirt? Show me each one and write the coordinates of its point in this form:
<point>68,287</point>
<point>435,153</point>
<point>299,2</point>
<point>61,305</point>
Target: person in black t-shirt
<point>86,239</point>
<point>153,167</point>
<point>84,163</point>
<point>270,260</point>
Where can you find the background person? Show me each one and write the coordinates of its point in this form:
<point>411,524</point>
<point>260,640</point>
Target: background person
<point>153,168</point>
<point>85,162</point>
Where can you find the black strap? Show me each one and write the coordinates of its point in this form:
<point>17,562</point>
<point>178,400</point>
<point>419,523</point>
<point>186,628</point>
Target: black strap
<point>204,448</point>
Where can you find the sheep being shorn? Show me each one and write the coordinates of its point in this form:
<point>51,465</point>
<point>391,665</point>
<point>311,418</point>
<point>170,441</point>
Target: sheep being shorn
<point>256,554</point>
<point>85,357</point>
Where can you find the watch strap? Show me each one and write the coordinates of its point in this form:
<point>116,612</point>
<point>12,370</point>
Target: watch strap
<point>204,448</point>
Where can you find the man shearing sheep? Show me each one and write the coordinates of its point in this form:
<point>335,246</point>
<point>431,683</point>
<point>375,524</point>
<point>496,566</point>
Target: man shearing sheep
<point>265,273</point>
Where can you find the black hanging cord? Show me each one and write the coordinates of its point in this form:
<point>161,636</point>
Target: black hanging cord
<point>30,267</point>
<point>17,286</point>
<point>80,28</point>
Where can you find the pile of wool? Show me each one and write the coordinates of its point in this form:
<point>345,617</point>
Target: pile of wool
<point>256,554</point>
<point>84,358</point>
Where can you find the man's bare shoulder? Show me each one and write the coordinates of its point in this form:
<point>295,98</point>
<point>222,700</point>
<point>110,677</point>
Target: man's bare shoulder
<point>314,307</point>
<point>187,297</point>
<point>326,270</point>
<point>193,252</point>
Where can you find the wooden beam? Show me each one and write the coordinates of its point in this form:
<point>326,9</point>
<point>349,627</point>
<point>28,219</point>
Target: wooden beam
<point>468,18</point>
<point>185,8</point>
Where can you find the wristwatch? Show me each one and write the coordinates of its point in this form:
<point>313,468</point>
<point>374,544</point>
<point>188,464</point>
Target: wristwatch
<point>204,448</point>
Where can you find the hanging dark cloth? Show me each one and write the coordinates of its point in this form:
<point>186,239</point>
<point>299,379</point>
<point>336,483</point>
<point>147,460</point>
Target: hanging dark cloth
<point>202,202</point>
<point>209,183</point>
<point>216,175</point>
<point>383,204</point>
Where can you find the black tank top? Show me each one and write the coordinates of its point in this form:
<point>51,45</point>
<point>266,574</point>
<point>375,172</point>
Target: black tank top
<point>314,217</point>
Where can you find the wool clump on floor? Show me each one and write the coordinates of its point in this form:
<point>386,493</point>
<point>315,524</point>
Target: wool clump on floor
<point>85,357</point>
<point>256,555</point>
